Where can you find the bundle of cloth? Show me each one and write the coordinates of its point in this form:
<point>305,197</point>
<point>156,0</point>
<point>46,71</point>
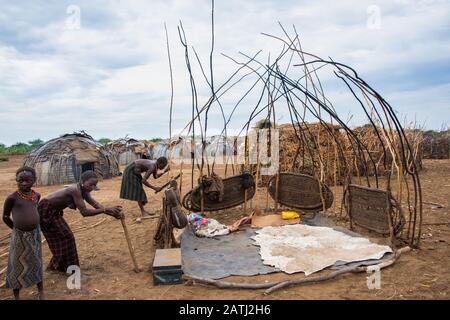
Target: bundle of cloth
<point>209,228</point>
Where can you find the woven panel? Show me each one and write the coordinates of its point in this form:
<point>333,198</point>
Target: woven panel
<point>369,208</point>
<point>300,191</point>
<point>234,195</point>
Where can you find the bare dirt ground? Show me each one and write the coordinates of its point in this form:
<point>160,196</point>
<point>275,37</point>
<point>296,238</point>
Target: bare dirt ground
<point>107,271</point>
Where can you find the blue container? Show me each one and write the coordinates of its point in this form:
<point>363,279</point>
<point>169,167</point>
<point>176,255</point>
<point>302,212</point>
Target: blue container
<point>167,267</point>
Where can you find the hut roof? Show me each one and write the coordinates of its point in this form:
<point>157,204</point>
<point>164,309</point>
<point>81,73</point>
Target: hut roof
<point>82,145</point>
<point>63,159</point>
<point>129,144</point>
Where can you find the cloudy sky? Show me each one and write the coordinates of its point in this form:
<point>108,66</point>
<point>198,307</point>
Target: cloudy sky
<point>102,66</point>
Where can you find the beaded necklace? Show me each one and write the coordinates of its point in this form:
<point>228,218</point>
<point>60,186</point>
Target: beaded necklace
<point>27,197</point>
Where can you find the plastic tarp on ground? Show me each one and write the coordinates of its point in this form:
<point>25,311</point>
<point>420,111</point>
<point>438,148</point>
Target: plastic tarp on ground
<point>237,253</point>
<point>308,249</point>
<point>223,256</point>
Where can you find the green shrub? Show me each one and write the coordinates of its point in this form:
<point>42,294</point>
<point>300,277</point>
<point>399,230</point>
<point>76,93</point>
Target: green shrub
<point>156,140</point>
<point>19,148</point>
<point>104,141</point>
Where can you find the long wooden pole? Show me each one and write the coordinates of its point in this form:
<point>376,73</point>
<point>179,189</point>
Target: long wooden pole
<point>130,246</point>
<point>273,286</point>
<point>277,181</point>
<point>181,178</point>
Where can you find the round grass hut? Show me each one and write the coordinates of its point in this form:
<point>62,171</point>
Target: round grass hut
<point>127,150</point>
<point>62,160</point>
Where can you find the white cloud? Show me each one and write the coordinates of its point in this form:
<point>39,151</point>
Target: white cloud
<point>111,77</point>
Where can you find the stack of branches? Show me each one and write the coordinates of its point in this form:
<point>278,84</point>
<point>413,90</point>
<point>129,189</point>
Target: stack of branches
<point>376,144</point>
<point>415,138</point>
<point>436,145</point>
<point>311,149</point>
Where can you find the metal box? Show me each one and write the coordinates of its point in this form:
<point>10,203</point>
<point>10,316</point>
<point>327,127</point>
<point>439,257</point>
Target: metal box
<point>167,267</point>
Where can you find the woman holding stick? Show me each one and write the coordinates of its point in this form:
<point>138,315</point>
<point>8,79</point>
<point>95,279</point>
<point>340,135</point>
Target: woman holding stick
<point>133,182</point>
<point>60,238</point>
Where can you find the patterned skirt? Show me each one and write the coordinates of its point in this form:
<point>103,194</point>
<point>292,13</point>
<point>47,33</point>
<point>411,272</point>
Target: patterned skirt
<point>60,238</point>
<point>25,259</point>
<point>131,187</point>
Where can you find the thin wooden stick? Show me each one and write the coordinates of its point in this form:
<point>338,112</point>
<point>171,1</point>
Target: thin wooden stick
<point>224,284</point>
<point>171,94</point>
<point>90,227</point>
<point>272,286</point>
<point>436,224</point>
<point>130,246</point>
<point>181,177</point>
<point>5,237</point>
<point>167,183</point>
<point>245,201</point>
<point>277,181</point>
<point>334,274</point>
<point>202,201</point>
<point>258,173</point>
<point>73,231</point>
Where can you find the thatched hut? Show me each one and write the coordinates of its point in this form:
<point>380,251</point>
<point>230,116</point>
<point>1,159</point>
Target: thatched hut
<point>64,159</point>
<point>127,150</point>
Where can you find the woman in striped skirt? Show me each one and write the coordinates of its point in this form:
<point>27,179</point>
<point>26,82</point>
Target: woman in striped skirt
<point>132,180</point>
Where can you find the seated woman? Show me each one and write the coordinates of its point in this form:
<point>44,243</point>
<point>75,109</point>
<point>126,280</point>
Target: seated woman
<point>60,238</point>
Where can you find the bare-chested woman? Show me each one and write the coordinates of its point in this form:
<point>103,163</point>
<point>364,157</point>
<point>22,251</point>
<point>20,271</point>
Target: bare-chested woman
<point>132,180</point>
<point>60,238</point>
<point>25,254</point>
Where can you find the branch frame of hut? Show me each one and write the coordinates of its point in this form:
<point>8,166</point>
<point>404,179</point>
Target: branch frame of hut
<point>382,155</point>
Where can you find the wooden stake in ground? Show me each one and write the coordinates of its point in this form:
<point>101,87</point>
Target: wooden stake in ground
<point>130,246</point>
<point>277,181</point>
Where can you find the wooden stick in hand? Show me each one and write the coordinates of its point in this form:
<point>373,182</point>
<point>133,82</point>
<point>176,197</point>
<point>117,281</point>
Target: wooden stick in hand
<point>166,184</point>
<point>130,246</point>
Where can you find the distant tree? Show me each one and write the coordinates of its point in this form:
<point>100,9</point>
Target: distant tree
<point>35,143</point>
<point>2,148</point>
<point>104,141</point>
<point>156,140</point>
<point>19,148</point>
